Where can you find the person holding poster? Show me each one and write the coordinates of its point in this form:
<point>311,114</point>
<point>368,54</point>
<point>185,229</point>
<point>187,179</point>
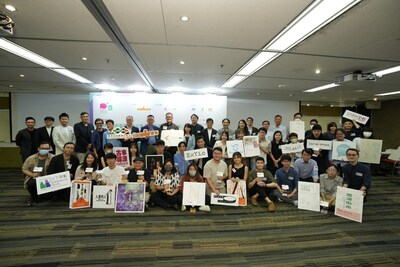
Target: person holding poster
<point>167,186</point>
<point>319,155</point>
<point>34,166</point>
<point>274,160</point>
<point>179,159</point>
<point>169,125</point>
<point>355,174</point>
<point>287,179</point>
<point>340,136</point>
<point>261,184</point>
<point>88,169</point>
<point>351,129</point>
<point>127,141</point>
<point>190,138</point>
<point>112,174</point>
<point>147,144</point>
<point>201,162</point>
<point>294,139</point>
<point>366,133</point>
<point>223,145</point>
<point>264,145</point>
<point>237,170</point>
<point>243,127</point>
<point>306,167</point>
<point>140,175</point>
<point>215,173</point>
<point>110,128</point>
<point>329,182</point>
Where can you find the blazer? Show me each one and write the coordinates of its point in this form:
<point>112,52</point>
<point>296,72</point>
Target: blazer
<point>209,142</point>
<point>127,143</point>
<point>145,142</point>
<point>26,144</point>
<point>57,165</point>
<point>83,136</point>
<point>43,135</point>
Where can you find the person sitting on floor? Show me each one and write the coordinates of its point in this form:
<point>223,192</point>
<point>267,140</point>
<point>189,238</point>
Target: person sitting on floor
<point>140,175</point>
<point>329,182</point>
<point>112,174</point>
<point>88,169</point>
<point>287,179</point>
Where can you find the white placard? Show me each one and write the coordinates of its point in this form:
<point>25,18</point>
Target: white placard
<point>194,194</point>
<point>53,182</point>
<point>196,154</point>
<point>339,149</point>
<point>172,137</point>
<point>224,199</point>
<point>370,151</point>
<point>103,196</point>
<point>37,169</point>
<point>357,117</point>
<point>309,196</point>
<point>292,148</point>
<point>81,194</point>
<point>319,144</point>
<point>297,127</point>
<point>349,204</point>
<point>122,156</point>
<point>234,146</point>
<point>239,189</point>
<point>251,146</point>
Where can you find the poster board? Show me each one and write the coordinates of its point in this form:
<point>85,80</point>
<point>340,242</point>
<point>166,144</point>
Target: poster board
<point>234,146</point>
<point>194,194</point>
<point>251,146</point>
<point>292,148</point>
<point>309,196</point>
<point>172,137</point>
<point>53,182</point>
<point>224,199</point>
<point>339,149</point>
<point>122,156</point>
<point>370,151</point>
<point>319,144</point>
<point>355,116</point>
<point>196,154</point>
<point>81,194</point>
<point>130,198</point>
<point>349,204</point>
<point>239,189</point>
<point>103,197</point>
<point>298,127</point>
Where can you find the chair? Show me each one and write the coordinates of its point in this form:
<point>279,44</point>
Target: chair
<point>394,159</point>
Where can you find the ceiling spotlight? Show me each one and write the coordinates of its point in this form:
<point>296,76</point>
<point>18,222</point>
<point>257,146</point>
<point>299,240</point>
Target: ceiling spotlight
<point>184,18</point>
<point>11,86</point>
<point>258,93</point>
<point>375,98</point>
<point>308,105</point>
<point>10,7</point>
<point>182,62</point>
<point>317,71</point>
<point>282,85</point>
<point>291,95</point>
<point>84,58</point>
<point>22,75</point>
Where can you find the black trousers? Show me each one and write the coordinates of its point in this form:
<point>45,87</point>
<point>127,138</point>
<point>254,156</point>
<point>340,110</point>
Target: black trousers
<point>163,200</point>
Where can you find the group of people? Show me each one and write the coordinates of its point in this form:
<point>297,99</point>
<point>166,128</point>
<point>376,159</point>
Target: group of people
<point>86,152</point>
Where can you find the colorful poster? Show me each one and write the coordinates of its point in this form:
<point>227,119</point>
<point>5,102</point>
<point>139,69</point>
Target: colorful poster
<point>194,194</point>
<point>124,133</point>
<point>172,137</point>
<point>319,144</point>
<point>370,151</point>
<point>292,148</point>
<point>196,154</point>
<point>53,182</point>
<point>349,204</point>
<point>339,149</point>
<point>225,199</point>
<point>122,156</point>
<point>297,127</point>
<point>239,189</point>
<point>357,117</point>
<point>81,194</point>
<point>234,146</point>
<point>130,197</point>
<point>309,196</point>
<point>103,197</point>
<point>251,146</point>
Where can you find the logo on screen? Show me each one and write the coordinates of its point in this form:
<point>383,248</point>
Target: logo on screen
<point>104,107</point>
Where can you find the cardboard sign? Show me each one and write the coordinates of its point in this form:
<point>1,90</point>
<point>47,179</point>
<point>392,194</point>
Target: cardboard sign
<point>130,197</point>
<point>172,137</point>
<point>251,146</point>
<point>319,144</point>
<point>81,194</point>
<point>224,199</point>
<point>370,151</point>
<point>103,197</point>
<point>122,134</point>
<point>122,156</point>
<point>292,148</point>
<point>194,194</point>
<point>339,149</point>
<point>297,127</point>
<point>196,154</point>
<point>234,146</point>
<point>239,189</point>
<point>309,196</point>
<point>349,204</point>
<point>357,117</point>
<point>53,182</point>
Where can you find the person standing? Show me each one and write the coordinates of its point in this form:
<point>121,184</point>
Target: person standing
<point>63,134</point>
<point>83,131</point>
<point>197,129</point>
<point>45,133</point>
<point>169,125</point>
<point>147,144</point>
<point>209,134</point>
<point>131,129</point>
<point>96,140</point>
<point>27,139</point>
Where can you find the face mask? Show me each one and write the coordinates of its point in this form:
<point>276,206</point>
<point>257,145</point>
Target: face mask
<point>43,152</point>
<point>367,134</point>
<point>168,168</point>
<point>293,140</point>
<point>192,172</point>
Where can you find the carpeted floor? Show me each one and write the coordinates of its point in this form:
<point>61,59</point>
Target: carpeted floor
<point>53,235</point>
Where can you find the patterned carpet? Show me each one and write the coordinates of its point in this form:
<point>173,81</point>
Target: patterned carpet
<point>53,235</point>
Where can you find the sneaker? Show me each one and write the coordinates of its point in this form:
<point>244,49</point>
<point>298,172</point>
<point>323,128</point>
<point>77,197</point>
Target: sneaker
<point>253,201</point>
<point>295,203</point>
<point>271,207</point>
<point>205,208</point>
<point>183,208</point>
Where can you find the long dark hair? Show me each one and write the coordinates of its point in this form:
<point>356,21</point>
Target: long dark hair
<point>187,175</point>
<point>94,164</point>
<point>173,171</point>
<point>274,140</point>
<point>245,129</point>
<point>137,150</point>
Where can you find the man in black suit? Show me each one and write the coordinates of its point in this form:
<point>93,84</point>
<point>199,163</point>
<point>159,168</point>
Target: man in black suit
<point>252,130</point>
<point>45,133</point>
<point>83,133</point>
<point>132,129</point>
<point>27,140</point>
<point>209,134</point>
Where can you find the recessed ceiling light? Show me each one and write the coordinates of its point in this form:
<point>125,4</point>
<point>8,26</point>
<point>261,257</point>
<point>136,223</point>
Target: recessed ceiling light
<point>375,98</point>
<point>182,62</point>
<point>11,85</point>
<point>185,18</point>
<point>317,71</point>
<point>282,85</point>
<point>258,93</point>
<point>359,91</point>
<point>22,75</point>
<point>112,78</point>
<point>291,95</point>
<point>10,7</point>
<point>308,105</point>
<point>84,58</point>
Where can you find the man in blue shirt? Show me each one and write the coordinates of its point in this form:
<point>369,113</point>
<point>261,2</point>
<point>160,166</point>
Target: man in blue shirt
<point>306,167</point>
<point>287,179</point>
<point>356,175</point>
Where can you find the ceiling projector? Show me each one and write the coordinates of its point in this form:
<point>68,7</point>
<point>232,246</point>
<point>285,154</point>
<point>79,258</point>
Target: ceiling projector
<point>6,25</point>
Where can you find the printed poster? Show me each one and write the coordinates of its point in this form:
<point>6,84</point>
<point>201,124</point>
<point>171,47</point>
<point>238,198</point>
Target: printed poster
<point>356,116</point>
<point>309,197</point>
<point>234,146</point>
<point>292,148</point>
<point>339,149</point>
<point>224,199</point>
<point>251,146</point>
<point>103,197</point>
<point>239,189</point>
<point>130,197</point>
<point>370,151</point>
<point>194,194</point>
<point>81,193</point>
<point>53,182</point>
<point>297,127</point>
<point>319,144</point>
<point>196,154</point>
<point>172,137</point>
<point>122,156</point>
<point>349,204</point>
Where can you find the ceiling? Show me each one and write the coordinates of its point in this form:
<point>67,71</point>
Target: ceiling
<point>219,38</point>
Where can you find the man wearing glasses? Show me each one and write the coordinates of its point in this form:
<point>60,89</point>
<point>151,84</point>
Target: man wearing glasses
<point>356,175</point>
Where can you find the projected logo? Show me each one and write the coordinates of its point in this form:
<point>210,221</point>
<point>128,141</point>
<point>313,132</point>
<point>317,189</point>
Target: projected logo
<point>104,107</point>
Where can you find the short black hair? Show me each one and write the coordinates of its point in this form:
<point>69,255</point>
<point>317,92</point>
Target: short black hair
<point>110,156</point>
<point>209,119</point>
<point>262,129</point>
<point>84,113</point>
<point>30,118</point>
<point>62,115</point>
<point>250,118</point>
<point>110,120</point>
<point>260,159</point>
<point>195,116</point>
<point>226,120</point>
<point>286,157</point>
<point>217,148</point>
<point>307,151</point>
<point>353,149</point>
<point>48,118</point>
<point>68,143</point>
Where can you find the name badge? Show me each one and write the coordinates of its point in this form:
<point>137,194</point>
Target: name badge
<point>89,170</point>
<point>69,165</point>
<point>324,203</point>
<point>285,187</point>
<point>213,135</point>
<point>315,168</point>
<point>260,175</point>
<point>37,169</point>
<point>359,174</point>
<point>291,178</point>
<point>167,181</point>
<point>220,174</point>
<point>165,127</point>
<point>352,134</point>
<point>233,170</point>
<point>140,172</point>
<point>198,131</point>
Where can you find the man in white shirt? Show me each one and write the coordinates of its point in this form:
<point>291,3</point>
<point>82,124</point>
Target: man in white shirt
<point>215,173</point>
<point>113,174</point>
<point>63,133</point>
<point>277,127</point>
